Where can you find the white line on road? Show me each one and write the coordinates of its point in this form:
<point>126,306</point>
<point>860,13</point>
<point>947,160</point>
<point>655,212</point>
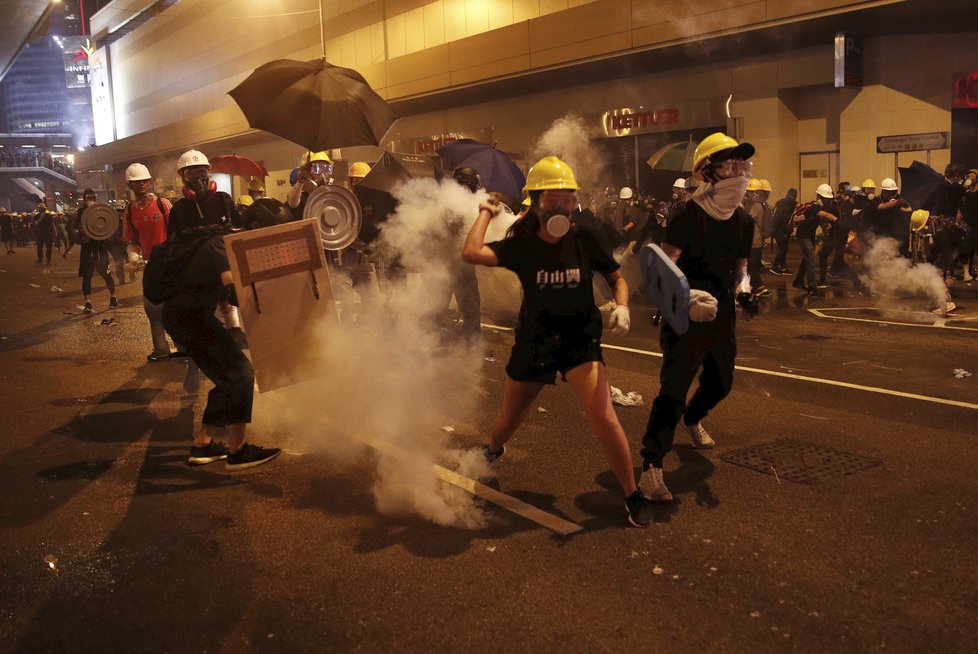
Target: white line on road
<point>786,375</point>
<point>939,321</point>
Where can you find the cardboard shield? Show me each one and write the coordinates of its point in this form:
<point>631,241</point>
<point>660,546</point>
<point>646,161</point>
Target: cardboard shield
<point>666,287</point>
<point>338,214</point>
<point>285,300</point>
<point>99,221</point>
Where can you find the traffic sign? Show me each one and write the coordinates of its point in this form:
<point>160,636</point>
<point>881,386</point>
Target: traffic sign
<point>912,142</point>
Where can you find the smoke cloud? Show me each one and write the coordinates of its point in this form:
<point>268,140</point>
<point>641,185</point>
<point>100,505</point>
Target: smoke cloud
<point>894,277</point>
<point>393,372</point>
<point>568,139</point>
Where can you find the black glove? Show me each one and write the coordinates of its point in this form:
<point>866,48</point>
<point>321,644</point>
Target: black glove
<point>231,295</point>
<point>748,302</point>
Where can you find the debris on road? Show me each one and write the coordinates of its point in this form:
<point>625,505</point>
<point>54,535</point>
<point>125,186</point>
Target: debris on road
<point>55,289</point>
<point>540,409</point>
<point>961,373</point>
<point>448,428</point>
<point>630,398</point>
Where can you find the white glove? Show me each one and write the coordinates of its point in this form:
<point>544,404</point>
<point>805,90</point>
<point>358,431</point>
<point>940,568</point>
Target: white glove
<point>702,306</point>
<point>743,285</point>
<point>621,320</point>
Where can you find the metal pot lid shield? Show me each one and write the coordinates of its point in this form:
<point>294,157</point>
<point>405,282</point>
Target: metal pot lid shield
<point>338,213</point>
<point>99,221</point>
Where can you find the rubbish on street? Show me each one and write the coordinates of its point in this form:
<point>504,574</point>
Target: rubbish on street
<point>625,399</point>
<point>540,409</point>
<point>34,285</point>
<point>448,428</point>
<point>55,289</point>
<point>107,321</point>
<point>52,562</point>
<point>657,570</point>
<point>961,373</point>
<point>490,358</point>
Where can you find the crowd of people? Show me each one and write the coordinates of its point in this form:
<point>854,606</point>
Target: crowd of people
<point>714,227</point>
<point>33,158</point>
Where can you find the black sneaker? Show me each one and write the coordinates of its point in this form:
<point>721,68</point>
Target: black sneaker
<point>213,451</point>
<point>113,302</point>
<point>88,308</point>
<point>250,456</point>
<point>493,457</point>
<point>639,509</point>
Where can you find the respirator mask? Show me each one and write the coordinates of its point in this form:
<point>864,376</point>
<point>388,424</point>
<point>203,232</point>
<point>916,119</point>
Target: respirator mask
<point>555,207</point>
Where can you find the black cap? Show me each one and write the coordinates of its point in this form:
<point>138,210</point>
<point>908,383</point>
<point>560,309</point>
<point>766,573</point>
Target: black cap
<point>467,177</point>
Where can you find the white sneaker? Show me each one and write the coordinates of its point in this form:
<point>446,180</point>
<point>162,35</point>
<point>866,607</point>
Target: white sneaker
<point>654,486</point>
<point>700,437</point>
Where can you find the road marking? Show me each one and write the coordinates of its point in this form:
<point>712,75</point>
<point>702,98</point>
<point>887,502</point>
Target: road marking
<point>939,322</point>
<point>814,380</point>
<point>528,511</point>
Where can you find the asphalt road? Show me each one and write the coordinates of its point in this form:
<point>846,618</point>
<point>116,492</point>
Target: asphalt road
<point>110,543</point>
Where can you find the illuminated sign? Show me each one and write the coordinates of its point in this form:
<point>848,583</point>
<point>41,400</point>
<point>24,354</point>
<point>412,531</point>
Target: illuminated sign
<point>965,91</point>
<point>628,121</point>
<point>848,60</point>
<point>75,53</point>
<point>102,111</point>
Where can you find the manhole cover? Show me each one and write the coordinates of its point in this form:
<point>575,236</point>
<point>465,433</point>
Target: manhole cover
<point>800,462</point>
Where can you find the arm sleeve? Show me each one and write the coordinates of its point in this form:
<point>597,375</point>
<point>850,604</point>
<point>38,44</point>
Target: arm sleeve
<point>504,252</point>
<point>680,227</point>
<point>747,236</point>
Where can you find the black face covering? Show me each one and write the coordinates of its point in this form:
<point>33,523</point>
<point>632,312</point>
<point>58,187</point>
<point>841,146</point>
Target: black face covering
<point>201,186</point>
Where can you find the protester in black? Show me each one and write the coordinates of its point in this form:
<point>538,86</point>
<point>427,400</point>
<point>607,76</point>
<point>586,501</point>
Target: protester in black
<point>823,212</point>
<point>202,203</point>
<point>43,232</point>
<point>559,327</point>
<point>782,227</point>
<point>93,257</point>
<point>189,318</point>
<point>710,241</point>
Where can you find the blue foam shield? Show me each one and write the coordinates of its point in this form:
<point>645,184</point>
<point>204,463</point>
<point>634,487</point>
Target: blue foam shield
<point>666,287</point>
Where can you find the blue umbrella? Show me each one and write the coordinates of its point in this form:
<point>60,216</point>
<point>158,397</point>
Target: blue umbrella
<point>496,170</point>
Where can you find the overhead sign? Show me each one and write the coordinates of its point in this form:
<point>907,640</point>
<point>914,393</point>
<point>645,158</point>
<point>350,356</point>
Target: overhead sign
<point>628,121</point>
<point>912,142</point>
<point>848,60</point>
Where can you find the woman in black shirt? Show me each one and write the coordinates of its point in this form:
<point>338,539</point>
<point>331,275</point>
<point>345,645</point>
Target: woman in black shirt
<point>559,328</point>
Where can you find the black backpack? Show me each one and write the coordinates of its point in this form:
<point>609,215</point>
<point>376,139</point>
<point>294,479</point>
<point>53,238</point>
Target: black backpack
<point>163,274</point>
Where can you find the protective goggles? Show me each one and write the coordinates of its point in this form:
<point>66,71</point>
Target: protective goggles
<point>193,172</point>
<point>552,200</point>
<point>733,168</point>
<point>320,168</point>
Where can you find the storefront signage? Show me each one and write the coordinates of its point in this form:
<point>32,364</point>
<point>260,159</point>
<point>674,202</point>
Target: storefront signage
<point>912,142</point>
<point>102,112</point>
<point>848,60</point>
<point>628,121</point>
<point>965,91</point>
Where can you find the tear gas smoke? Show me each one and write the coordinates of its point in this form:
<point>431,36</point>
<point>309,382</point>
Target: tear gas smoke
<point>892,276</point>
<point>569,139</point>
<point>391,375</point>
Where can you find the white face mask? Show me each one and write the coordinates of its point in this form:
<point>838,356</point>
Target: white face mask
<point>720,200</point>
<point>558,225</point>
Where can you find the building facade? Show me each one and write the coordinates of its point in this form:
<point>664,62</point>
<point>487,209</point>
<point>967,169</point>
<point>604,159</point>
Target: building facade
<point>634,74</point>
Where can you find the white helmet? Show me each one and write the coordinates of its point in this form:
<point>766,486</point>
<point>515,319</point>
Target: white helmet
<point>825,191</point>
<point>192,158</point>
<point>625,193</point>
<point>888,185</point>
<point>137,172</point>
<point>679,183</point>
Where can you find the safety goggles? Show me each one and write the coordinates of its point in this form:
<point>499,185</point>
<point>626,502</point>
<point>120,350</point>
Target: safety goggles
<point>552,200</point>
<point>733,168</point>
<point>320,168</point>
<point>194,172</point>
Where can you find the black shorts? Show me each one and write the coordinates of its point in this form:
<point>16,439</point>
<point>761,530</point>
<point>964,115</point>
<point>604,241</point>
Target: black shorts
<point>539,363</point>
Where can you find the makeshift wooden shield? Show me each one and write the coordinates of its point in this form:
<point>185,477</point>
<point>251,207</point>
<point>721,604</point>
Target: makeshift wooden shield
<point>285,300</point>
<point>666,287</point>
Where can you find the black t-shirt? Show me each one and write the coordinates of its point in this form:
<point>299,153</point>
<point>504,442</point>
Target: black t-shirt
<point>969,207</point>
<point>710,247</point>
<point>893,222</point>
<point>556,278</point>
<point>808,227</point>
<point>217,210</point>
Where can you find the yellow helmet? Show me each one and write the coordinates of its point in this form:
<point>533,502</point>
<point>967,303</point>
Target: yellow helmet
<point>310,157</point>
<point>754,184</point>
<point>765,185</point>
<point>869,184</point>
<point>550,173</point>
<point>256,185</point>
<point>246,200</point>
<point>359,169</point>
<point>715,143</point>
<point>918,219</point>
<point>527,201</point>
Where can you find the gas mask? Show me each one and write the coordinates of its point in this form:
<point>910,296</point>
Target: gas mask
<point>870,194</point>
<point>200,188</point>
<point>968,182</point>
<point>554,209</point>
<point>675,197</point>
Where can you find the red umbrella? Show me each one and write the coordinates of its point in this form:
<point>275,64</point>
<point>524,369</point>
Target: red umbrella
<point>235,164</point>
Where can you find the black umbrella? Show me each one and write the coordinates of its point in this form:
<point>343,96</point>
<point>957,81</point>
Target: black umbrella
<point>920,185</point>
<point>374,190</point>
<point>313,103</point>
<point>496,170</point>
